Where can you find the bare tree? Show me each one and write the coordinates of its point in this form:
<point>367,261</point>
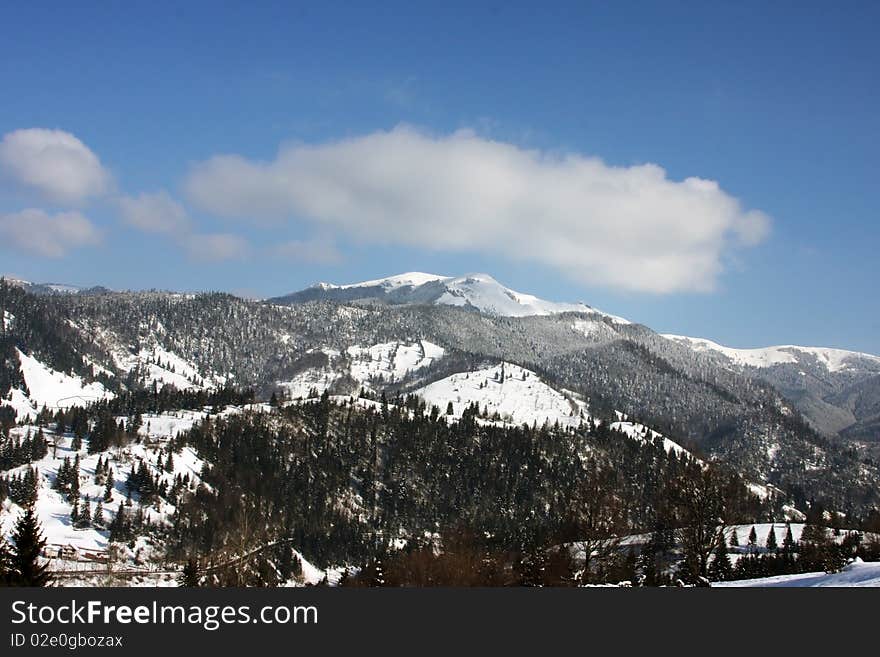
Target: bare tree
<point>700,506</point>
<point>599,520</point>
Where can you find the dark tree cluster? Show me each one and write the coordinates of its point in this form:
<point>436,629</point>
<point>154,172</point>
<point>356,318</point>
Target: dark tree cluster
<point>344,483</point>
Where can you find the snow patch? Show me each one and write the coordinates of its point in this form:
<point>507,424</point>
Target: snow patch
<point>53,389</point>
<point>388,361</point>
<point>392,360</point>
<point>638,431</point>
<point>518,395</point>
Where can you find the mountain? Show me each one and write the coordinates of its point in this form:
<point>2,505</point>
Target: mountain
<point>838,391</point>
<point>831,360</point>
<point>404,408</point>
<point>478,292</point>
<point>399,341</point>
<point>53,288</point>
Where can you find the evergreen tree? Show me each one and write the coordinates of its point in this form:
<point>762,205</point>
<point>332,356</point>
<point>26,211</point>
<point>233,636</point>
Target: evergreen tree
<point>189,576</point>
<point>85,516</point>
<point>734,538</point>
<point>720,569</point>
<point>119,528</point>
<point>771,539</point>
<point>788,544</point>
<point>98,518</point>
<point>28,543</point>
<point>753,540</point>
<point>6,564</point>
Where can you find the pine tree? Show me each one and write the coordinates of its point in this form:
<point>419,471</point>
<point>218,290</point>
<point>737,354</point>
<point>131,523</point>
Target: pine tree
<point>119,528</point>
<point>189,576</point>
<point>788,544</point>
<point>85,515</point>
<point>6,564</point>
<point>753,540</point>
<point>734,538</point>
<point>296,567</point>
<point>108,488</point>
<point>98,518</point>
<point>720,569</point>
<point>771,539</point>
<point>28,544</point>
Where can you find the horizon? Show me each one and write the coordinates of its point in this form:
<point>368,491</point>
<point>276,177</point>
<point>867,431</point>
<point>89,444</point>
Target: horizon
<point>316,284</point>
<point>691,171</point>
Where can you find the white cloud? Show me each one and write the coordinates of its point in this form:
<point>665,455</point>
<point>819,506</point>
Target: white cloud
<point>216,247</point>
<point>53,162</point>
<point>154,213</point>
<point>630,228</point>
<point>50,235</point>
<point>159,213</point>
<point>319,252</point>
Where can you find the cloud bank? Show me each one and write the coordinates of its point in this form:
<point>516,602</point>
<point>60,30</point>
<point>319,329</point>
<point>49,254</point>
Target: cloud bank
<point>154,213</point>
<point>629,228</point>
<point>216,247</point>
<point>316,251</point>
<point>54,163</point>
<point>49,235</point>
<point>159,213</point>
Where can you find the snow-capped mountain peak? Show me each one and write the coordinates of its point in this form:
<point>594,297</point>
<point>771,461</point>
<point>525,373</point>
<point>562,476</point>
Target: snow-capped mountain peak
<point>409,279</point>
<point>834,360</point>
<point>477,291</point>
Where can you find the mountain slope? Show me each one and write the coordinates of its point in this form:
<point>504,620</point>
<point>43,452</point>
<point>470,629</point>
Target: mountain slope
<point>838,391</point>
<point>832,360</point>
<point>701,400</point>
<point>479,292</point>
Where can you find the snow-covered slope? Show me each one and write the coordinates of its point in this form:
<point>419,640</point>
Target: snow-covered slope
<point>52,389</point>
<point>53,510</point>
<point>153,362</point>
<point>387,362</point>
<point>392,360</point>
<point>516,394</point>
<point>834,360</point>
<point>484,293</point>
<point>409,279</point>
<point>858,573</point>
<point>477,291</point>
<point>638,431</point>
<point>163,367</point>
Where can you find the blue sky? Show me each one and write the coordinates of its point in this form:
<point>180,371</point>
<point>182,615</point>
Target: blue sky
<point>778,105</point>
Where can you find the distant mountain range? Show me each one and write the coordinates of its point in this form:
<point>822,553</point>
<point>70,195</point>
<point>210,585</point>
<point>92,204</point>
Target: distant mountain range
<point>838,391</point>
<point>54,288</point>
<point>804,420</point>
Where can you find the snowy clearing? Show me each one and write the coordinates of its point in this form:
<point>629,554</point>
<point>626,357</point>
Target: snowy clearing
<point>856,574</point>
